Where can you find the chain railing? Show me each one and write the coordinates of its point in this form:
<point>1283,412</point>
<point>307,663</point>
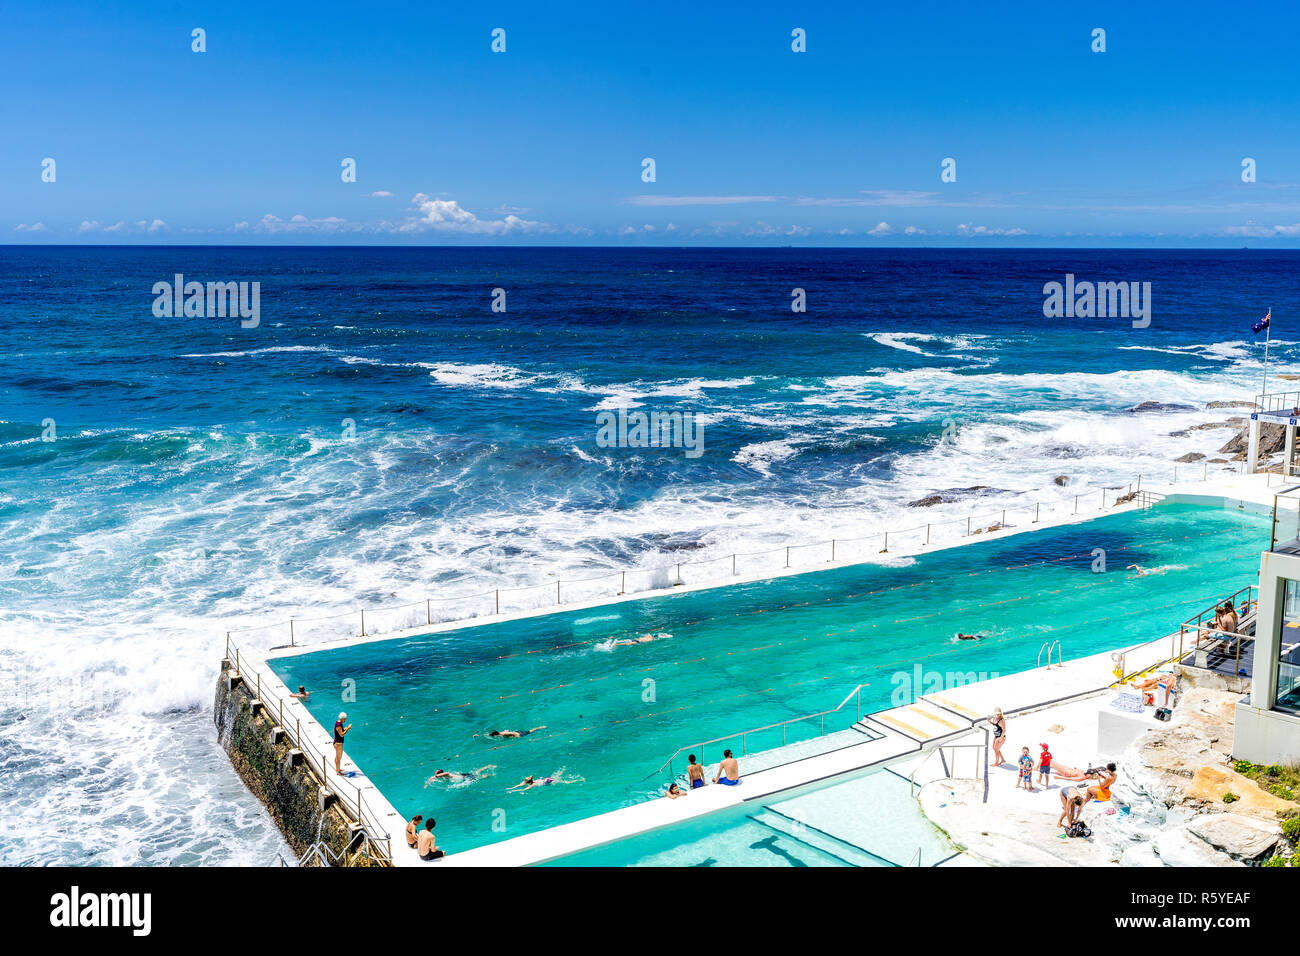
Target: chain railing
<point>378,841</point>
<point>737,566</point>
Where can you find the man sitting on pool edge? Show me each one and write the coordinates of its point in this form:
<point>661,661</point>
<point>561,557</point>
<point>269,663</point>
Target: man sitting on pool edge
<point>728,770</point>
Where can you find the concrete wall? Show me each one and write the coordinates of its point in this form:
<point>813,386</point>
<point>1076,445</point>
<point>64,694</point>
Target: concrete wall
<point>281,780</point>
<point>1193,677</point>
<point>1265,736</point>
<point>1221,501</point>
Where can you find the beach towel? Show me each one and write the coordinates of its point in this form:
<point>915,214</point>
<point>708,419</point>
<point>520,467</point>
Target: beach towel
<point>1129,703</point>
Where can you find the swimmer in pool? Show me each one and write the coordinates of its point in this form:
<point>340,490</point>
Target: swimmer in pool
<point>453,776</point>
<point>1139,570</point>
<point>643,639</point>
<point>969,637</point>
<point>512,734</point>
<point>530,781</point>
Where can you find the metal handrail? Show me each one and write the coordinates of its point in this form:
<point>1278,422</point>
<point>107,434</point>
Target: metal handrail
<point>744,734</point>
<point>911,778</point>
<point>1048,646</point>
<point>1199,619</point>
<point>318,763</point>
<point>974,524</point>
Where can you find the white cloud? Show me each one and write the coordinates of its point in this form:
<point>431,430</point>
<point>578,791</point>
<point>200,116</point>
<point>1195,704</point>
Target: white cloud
<point>89,225</point>
<point>381,194</point>
<point>34,227</point>
<point>880,229</point>
<point>275,226</point>
<point>1255,231</point>
<point>447,215</point>
<point>965,229</point>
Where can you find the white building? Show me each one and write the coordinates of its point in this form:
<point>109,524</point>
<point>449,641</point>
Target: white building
<point>1268,722</point>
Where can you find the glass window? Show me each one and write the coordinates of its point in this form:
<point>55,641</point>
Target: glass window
<point>1288,668</point>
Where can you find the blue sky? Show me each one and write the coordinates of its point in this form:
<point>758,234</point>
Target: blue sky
<point>753,143</point>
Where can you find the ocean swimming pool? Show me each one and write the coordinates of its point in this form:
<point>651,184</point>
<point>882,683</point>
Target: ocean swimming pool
<point>743,656</point>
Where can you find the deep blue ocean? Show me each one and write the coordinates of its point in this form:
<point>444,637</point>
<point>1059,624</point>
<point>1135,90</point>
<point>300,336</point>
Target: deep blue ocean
<point>383,431</point>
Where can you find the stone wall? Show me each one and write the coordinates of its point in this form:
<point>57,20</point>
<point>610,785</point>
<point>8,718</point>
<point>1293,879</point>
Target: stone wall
<point>278,775</point>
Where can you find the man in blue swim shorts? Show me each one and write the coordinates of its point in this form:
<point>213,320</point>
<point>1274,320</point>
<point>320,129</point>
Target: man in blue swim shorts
<point>728,770</point>
<point>694,773</point>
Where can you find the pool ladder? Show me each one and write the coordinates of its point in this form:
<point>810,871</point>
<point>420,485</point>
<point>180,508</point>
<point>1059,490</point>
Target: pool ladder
<point>1049,646</point>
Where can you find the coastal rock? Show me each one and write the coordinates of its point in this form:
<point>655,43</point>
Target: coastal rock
<point>1190,456</point>
<point>946,495</point>
<point>1177,847</point>
<point>1161,407</point>
<point>1272,438</point>
<point>1062,480</point>
<point>1210,784</point>
<point>1240,837</point>
<point>1238,404</point>
<point>1141,854</point>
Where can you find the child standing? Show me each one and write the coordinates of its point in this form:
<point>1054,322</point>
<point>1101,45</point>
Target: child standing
<point>1045,766</point>
<point>1026,770</point>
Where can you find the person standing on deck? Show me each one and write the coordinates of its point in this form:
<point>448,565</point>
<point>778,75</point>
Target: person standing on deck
<point>339,733</point>
<point>999,724</point>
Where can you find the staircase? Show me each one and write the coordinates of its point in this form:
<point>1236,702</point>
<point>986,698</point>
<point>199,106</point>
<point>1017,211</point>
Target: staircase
<point>921,722</point>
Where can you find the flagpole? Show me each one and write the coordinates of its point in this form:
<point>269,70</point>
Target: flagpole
<point>1268,332</point>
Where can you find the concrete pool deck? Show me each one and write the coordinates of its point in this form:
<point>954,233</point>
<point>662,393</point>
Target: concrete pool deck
<point>911,728</point>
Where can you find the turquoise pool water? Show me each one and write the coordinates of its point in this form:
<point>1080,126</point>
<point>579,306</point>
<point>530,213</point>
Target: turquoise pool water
<point>743,656</point>
<point>869,820</point>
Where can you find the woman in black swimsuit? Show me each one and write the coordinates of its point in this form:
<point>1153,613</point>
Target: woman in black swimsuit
<point>339,733</point>
<point>999,735</point>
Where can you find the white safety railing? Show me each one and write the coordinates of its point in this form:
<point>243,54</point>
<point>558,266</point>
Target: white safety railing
<point>738,566</point>
<point>377,840</point>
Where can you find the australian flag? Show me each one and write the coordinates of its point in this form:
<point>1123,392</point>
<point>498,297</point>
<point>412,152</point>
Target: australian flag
<point>1262,324</point>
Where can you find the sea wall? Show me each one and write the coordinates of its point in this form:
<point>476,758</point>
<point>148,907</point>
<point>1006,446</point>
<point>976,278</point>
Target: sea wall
<point>278,775</point>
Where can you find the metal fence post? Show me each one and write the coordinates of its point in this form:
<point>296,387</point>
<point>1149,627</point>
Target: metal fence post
<point>498,600</point>
<point>557,592</point>
<point>787,556</point>
<point>428,611</point>
<point>832,550</point>
<point>927,532</point>
<point>363,622</point>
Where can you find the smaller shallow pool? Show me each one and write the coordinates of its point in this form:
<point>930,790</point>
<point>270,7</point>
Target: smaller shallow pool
<point>868,820</point>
